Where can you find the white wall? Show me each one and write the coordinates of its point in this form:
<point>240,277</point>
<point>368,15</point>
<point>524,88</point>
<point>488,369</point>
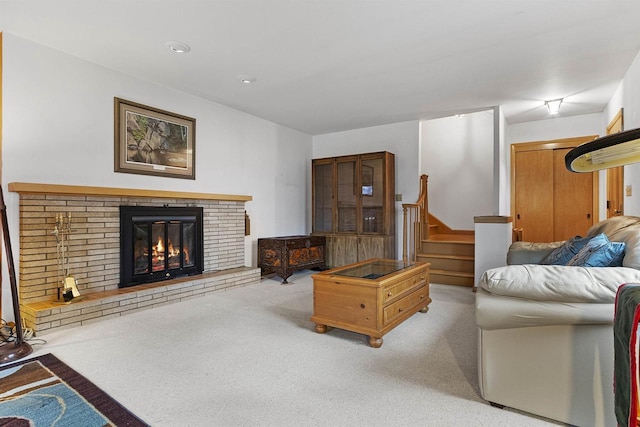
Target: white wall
<point>58,128</point>
<point>401,139</point>
<point>501,168</point>
<point>554,128</point>
<point>457,154</point>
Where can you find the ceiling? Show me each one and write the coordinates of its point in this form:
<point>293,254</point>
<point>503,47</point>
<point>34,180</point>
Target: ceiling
<point>322,66</point>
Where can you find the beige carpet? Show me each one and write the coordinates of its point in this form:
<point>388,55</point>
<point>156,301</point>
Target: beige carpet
<point>250,357</point>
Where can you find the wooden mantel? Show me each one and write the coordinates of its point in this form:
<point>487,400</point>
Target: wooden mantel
<point>81,190</point>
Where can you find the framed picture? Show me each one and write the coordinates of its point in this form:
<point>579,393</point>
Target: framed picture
<point>150,141</point>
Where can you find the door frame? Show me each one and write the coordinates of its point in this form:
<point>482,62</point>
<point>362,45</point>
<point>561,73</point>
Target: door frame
<point>616,125</point>
<point>552,145</point>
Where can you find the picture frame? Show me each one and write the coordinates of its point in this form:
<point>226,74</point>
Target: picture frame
<point>151,141</point>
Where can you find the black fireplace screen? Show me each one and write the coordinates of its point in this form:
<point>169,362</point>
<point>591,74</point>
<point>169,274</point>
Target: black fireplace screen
<point>159,243</point>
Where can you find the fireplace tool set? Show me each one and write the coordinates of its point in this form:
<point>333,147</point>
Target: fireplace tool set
<point>67,284</point>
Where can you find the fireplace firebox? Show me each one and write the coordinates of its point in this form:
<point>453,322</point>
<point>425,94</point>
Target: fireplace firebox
<point>159,243</point>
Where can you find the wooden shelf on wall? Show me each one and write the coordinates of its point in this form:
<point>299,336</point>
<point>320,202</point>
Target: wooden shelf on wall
<point>81,190</point>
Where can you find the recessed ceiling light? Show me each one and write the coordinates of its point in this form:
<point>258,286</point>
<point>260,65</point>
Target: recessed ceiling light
<point>177,47</point>
<point>246,79</point>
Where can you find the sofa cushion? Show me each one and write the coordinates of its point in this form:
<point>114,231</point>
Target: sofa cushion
<point>631,250</point>
<point>622,229</point>
<point>614,225</point>
<point>558,283</point>
<point>499,312</point>
<point>529,252</point>
<point>599,252</point>
<point>568,250</point>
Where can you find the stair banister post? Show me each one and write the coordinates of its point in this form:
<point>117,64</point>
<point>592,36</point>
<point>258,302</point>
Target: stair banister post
<point>404,234</point>
<point>415,215</point>
<point>424,209</point>
<point>417,232</point>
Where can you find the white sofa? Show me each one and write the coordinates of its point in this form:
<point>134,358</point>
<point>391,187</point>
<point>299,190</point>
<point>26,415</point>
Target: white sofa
<point>545,332</point>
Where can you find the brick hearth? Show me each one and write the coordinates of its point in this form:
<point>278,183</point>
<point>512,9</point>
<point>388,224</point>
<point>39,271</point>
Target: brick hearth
<point>94,251</point>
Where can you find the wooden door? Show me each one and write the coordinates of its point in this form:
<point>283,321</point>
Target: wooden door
<point>550,203</point>
<point>615,176</point>
<point>572,199</point>
<point>534,195</point>
<point>615,193</point>
<point>347,195</point>
<point>323,195</point>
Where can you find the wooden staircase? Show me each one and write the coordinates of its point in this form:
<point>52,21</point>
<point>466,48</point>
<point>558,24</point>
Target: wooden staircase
<point>451,256</point>
<point>426,238</point>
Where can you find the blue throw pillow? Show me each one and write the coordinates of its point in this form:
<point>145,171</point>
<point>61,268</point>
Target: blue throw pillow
<point>569,249</point>
<point>619,249</point>
<point>599,252</point>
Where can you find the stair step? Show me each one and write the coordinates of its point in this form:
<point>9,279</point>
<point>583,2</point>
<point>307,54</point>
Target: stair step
<point>447,247</point>
<point>450,273</point>
<point>448,256</point>
<point>462,263</point>
<point>446,277</point>
<point>458,238</point>
<point>451,256</point>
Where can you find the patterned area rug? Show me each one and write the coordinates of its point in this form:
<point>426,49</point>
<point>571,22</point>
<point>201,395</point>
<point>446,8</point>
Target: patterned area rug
<point>43,391</point>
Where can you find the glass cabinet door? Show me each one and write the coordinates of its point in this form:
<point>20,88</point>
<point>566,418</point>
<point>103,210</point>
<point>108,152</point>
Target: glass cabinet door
<point>347,196</point>
<point>372,191</point>
<point>323,197</point>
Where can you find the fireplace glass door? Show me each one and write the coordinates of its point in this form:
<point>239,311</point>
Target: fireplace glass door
<point>170,246</point>
<point>159,244</point>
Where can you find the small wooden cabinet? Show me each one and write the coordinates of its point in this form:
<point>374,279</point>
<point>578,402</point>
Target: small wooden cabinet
<point>284,255</point>
<point>370,297</point>
<point>354,206</point>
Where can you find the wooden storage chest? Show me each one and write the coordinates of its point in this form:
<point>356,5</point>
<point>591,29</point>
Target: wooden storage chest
<point>370,297</point>
<point>284,255</point>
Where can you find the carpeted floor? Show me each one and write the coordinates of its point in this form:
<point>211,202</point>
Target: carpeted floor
<point>250,357</point>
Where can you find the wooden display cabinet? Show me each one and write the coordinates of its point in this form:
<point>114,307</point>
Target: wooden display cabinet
<point>353,206</point>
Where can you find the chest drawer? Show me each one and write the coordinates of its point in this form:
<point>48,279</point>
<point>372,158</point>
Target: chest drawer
<point>354,305</point>
<point>393,291</point>
<point>406,304</point>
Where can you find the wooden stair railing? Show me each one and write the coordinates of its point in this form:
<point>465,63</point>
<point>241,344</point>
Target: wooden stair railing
<point>427,239</point>
<point>415,225</point>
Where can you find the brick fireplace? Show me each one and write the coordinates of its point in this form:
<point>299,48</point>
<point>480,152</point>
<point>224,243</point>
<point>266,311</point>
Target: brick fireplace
<point>94,251</point>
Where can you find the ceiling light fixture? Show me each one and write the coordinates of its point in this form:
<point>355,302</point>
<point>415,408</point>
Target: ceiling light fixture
<point>553,106</point>
<point>246,79</point>
<point>177,47</point>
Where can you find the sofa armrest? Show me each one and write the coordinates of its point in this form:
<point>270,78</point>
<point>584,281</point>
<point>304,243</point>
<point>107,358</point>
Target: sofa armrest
<point>530,253</point>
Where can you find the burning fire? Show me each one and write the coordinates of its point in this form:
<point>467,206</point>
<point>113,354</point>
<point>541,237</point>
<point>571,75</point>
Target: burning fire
<point>159,247</point>
<point>158,255</point>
